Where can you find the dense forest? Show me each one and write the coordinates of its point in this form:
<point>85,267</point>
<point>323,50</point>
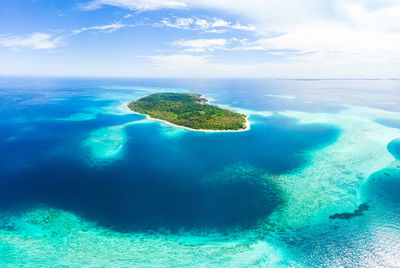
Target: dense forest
<point>189,110</point>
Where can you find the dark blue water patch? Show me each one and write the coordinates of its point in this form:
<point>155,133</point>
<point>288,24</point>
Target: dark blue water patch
<point>276,144</point>
<point>393,123</point>
<point>21,137</point>
<point>129,200</point>
<point>25,143</point>
<point>159,183</point>
<point>394,148</point>
<point>383,187</point>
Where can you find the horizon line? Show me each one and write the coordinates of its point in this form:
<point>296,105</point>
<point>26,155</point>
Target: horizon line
<point>194,77</point>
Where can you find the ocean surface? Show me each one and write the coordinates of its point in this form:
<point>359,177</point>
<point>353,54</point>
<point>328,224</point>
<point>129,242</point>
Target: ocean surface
<point>315,182</point>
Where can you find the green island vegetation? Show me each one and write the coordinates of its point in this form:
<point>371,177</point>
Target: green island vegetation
<point>188,110</point>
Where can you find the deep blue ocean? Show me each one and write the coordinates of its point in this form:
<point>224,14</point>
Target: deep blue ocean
<point>80,173</point>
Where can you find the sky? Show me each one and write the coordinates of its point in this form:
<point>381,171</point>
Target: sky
<point>201,38</point>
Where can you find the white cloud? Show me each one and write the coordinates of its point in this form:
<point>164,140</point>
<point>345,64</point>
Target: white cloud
<point>238,26</point>
<point>213,25</point>
<point>34,41</point>
<point>328,45</point>
<point>109,28</point>
<point>200,45</point>
<point>216,31</point>
<point>139,5</point>
<point>380,19</point>
<point>330,39</point>
<point>179,23</point>
<point>204,24</point>
<point>220,23</point>
<point>49,41</point>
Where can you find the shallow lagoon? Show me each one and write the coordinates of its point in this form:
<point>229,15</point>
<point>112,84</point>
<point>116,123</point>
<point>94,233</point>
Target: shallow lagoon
<point>82,174</point>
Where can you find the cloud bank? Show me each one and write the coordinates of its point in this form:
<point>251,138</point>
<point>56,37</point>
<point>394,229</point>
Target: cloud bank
<point>34,41</point>
<point>138,5</point>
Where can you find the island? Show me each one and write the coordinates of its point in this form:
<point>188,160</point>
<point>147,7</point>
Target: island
<point>190,111</point>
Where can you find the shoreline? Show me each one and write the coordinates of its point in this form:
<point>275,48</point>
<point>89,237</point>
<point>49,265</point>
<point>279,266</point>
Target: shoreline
<point>246,124</point>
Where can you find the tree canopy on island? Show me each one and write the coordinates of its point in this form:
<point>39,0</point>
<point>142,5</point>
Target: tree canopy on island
<point>188,110</point>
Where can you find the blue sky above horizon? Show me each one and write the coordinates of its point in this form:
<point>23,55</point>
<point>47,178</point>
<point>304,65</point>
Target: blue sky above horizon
<point>201,38</point>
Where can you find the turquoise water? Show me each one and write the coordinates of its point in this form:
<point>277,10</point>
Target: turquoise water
<point>86,182</point>
<point>394,148</point>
